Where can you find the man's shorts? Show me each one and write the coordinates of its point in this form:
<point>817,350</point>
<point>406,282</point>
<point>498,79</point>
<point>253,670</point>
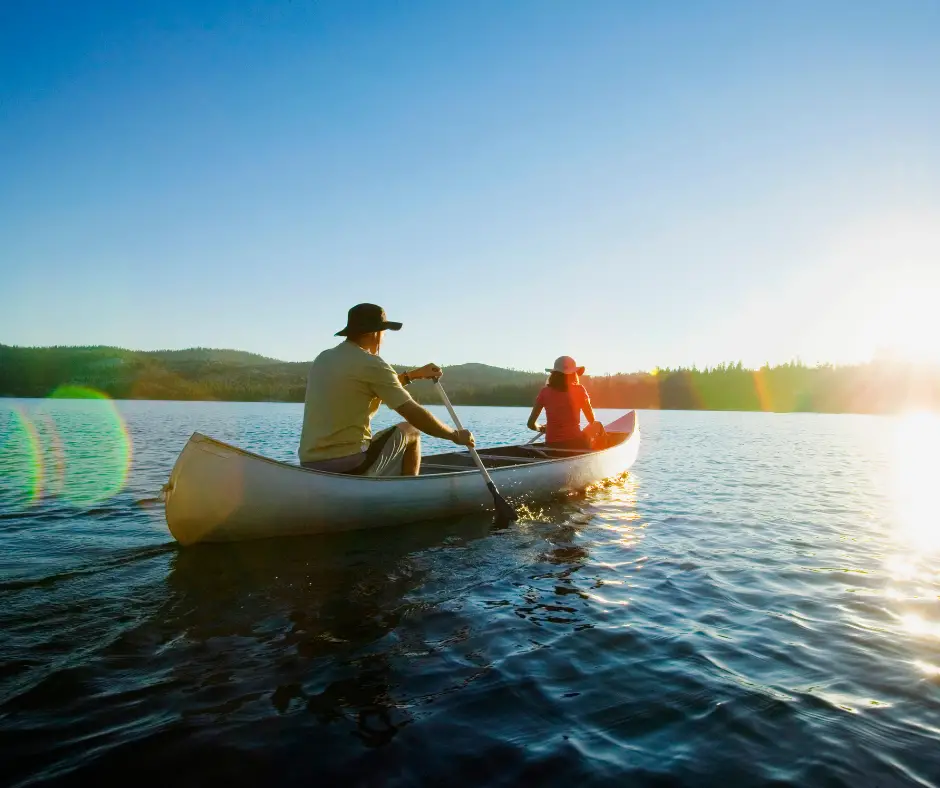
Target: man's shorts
<point>384,457</point>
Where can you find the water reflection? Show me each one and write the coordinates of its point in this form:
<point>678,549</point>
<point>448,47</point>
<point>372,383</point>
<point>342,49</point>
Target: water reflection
<point>330,629</point>
<point>559,603</point>
<point>930,670</point>
<point>575,574</point>
<point>324,609</point>
<point>915,479</point>
<point>911,571</point>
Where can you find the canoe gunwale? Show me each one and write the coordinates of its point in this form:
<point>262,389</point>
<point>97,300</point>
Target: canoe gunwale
<point>199,437</point>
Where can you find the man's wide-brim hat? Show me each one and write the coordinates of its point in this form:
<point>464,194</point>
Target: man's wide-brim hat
<point>366,318</point>
<point>567,366</point>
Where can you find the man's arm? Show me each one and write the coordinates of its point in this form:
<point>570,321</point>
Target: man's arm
<point>427,372</point>
<point>424,420</point>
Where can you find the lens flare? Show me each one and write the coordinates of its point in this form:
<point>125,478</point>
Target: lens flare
<point>762,390</point>
<point>52,453</point>
<point>20,459</point>
<point>88,445</point>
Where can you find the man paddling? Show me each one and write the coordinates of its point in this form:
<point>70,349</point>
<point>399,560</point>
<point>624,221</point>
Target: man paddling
<point>345,386</point>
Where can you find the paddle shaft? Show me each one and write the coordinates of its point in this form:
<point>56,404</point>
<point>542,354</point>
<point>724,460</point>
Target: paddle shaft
<point>456,420</point>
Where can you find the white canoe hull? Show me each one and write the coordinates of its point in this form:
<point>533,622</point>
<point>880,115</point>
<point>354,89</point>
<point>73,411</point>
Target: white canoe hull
<point>219,493</point>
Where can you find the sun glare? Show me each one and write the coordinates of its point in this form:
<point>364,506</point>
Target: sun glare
<point>908,324</point>
<point>917,442</point>
<point>875,292</point>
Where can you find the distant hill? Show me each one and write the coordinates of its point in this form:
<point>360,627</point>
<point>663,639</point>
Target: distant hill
<point>207,374</point>
<point>209,354</point>
<point>104,355</point>
<point>196,373</point>
<point>484,375</point>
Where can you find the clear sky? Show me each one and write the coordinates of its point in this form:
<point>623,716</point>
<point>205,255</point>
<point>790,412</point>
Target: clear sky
<point>631,183</point>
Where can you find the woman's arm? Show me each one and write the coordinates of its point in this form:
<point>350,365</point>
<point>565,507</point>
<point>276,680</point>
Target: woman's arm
<point>588,411</point>
<point>536,412</point>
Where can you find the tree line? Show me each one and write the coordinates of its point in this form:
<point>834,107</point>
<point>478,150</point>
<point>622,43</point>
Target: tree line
<point>234,376</point>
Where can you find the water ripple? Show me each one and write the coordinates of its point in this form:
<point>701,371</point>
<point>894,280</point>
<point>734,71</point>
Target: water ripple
<point>753,604</point>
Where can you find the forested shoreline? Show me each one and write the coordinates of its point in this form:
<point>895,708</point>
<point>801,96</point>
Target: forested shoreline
<point>228,375</point>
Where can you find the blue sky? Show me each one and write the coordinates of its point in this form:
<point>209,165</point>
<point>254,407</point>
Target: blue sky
<point>634,184</point>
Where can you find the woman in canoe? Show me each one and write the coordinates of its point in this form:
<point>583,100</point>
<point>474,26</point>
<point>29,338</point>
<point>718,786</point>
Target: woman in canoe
<point>564,399</point>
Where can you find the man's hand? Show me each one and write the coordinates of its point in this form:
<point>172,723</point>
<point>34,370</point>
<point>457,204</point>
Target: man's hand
<point>425,421</point>
<point>427,372</point>
<point>464,438</point>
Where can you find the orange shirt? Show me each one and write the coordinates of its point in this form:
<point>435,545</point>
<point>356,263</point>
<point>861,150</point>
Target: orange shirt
<point>563,412</point>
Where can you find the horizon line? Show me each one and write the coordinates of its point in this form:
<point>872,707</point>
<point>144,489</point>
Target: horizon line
<point>795,361</point>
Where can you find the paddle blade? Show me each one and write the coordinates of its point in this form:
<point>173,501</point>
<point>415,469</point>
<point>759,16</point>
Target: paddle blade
<point>504,511</point>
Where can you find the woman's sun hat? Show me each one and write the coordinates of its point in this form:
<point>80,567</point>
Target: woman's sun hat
<point>567,366</point>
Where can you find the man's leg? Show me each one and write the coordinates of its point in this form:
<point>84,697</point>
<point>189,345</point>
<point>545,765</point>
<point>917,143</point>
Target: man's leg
<point>400,454</point>
<point>411,462</point>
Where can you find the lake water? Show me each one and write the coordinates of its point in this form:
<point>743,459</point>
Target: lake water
<point>758,602</point>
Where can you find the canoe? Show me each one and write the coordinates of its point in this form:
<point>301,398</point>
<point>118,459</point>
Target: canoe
<point>220,493</point>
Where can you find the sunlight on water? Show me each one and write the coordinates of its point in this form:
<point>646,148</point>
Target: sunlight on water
<point>916,533</point>
<point>626,498</point>
<point>80,453</point>
<point>917,443</point>
<point>928,669</point>
<point>919,626</point>
<point>531,512</point>
<point>901,568</point>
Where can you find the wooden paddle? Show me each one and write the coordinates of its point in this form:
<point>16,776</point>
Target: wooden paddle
<point>504,511</point>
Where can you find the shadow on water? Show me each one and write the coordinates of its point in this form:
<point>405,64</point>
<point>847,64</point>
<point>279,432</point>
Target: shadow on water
<point>360,567</point>
<point>254,649</point>
<point>316,614</point>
